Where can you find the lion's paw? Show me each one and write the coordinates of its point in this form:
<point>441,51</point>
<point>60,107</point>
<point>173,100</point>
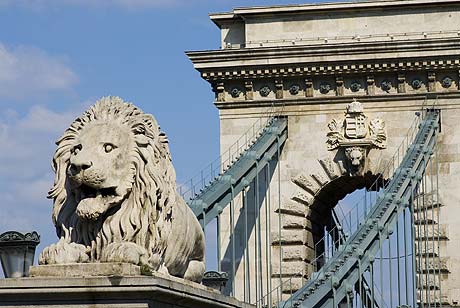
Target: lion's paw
<point>62,253</point>
<point>125,252</point>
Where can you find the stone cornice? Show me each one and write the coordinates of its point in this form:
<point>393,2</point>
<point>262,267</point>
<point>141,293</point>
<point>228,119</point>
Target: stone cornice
<point>318,59</point>
<point>244,12</point>
<point>336,100</point>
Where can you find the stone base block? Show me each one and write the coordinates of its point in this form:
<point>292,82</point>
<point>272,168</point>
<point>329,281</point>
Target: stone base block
<point>114,291</point>
<point>85,270</point>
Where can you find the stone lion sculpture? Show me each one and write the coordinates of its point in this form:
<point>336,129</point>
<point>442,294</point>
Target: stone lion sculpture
<point>115,196</point>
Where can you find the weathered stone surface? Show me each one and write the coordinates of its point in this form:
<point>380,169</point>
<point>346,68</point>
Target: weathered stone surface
<point>431,232</point>
<point>295,252</point>
<point>304,197</point>
<point>433,265</point>
<point>292,268</point>
<point>293,222</point>
<point>114,157</point>
<point>293,208</point>
<point>162,291</point>
<point>85,270</point>
<point>293,237</point>
<point>344,66</point>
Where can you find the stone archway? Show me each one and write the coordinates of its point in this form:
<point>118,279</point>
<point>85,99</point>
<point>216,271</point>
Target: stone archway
<point>308,211</point>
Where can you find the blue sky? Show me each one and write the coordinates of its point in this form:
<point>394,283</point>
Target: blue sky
<point>59,56</point>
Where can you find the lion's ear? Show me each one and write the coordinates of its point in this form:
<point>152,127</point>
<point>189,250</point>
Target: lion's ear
<point>142,140</point>
<point>163,137</point>
<point>139,129</point>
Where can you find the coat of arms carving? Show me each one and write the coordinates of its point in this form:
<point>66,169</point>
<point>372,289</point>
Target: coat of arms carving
<point>356,134</point>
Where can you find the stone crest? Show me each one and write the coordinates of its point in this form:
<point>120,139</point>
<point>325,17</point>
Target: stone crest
<point>356,134</point>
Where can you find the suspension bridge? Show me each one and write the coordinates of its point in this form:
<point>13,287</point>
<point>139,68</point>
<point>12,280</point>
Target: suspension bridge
<point>373,256</point>
<point>318,200</point>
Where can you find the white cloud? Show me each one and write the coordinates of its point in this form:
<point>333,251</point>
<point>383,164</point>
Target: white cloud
<point>27,71</point>
<point>27,146</point>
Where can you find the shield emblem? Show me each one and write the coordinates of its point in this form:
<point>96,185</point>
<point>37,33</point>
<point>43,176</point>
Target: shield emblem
<point>355,125</point>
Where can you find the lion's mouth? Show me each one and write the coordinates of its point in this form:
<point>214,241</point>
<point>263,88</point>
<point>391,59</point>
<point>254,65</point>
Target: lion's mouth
<point>93,202</point>
<point>90,192</point>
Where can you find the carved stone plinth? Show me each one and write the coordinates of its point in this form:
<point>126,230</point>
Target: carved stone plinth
<point>116,291</point>
<point>85,270</point>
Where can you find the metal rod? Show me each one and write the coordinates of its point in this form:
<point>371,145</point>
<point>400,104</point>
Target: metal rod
<point>232,239</point>
<point>414,265</point>
<point>438,214</point>
<point>268,233</point>
<point>279,213</point>
<point>219,256</point>
<point>406,265</point>
<point>419,257</point>
<point>399,261</point>
<point>247,287</point>
<point>425,243</point>
<point>360,282</point>
<point>381,267</point>
<point>259,232</point>
<point>372,284</point>
<point>390,263</point>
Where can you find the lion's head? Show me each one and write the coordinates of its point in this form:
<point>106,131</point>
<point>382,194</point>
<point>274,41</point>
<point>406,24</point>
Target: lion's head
<point>114,178</point>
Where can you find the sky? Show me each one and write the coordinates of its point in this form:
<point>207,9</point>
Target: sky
<point>57,57</point>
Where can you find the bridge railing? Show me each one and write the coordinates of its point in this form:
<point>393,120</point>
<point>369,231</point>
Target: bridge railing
<point>410,270</point>
<point>210,173</point>
<point>335,239</point>
<point>351,220</point>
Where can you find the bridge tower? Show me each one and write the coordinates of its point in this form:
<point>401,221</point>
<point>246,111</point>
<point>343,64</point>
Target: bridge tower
<point>348,77</point>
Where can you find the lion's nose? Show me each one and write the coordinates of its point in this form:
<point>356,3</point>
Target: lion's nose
<point>77,167</point>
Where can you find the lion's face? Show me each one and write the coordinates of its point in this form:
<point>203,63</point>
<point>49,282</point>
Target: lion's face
<point>99,169</point>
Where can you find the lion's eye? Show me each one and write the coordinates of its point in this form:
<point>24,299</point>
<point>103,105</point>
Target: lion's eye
<point>108,147</point>
<point>76,149</point>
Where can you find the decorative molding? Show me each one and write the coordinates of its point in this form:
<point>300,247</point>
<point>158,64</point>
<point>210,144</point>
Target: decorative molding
<point>325,88</point>
<point>339,85</point>
<point>279,88</point>
<point>431,81</point>
<point>324,59</point>
<point>355,86</point>
<point>13,237</point>
<point>294,89</point>
<point>401,83</point>
<point>386,85</point>
<point>308,87</point>
<point>313,69</point>
<point>235,92</point>
<point>447,82</point>
<point>264,91</point>
<point>219,91</point>
<point>329,99</point>
<point>355,134</point>
<point>248,90</point>
<point>370,85</point>
<point>416,83</point>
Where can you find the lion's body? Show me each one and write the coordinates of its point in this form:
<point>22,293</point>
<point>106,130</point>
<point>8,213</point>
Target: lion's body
<point>115,197</point>
<point>185,226</point>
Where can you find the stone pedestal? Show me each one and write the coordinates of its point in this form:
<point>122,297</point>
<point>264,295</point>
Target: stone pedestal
<point>120,289</point>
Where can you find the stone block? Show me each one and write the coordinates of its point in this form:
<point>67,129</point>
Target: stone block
<point>431,232</point>
<point>291,268</point>
<point>291,237</point>
<point>157,291</point>
<point>293,222</point>
<point>433,265</point>
<point>297,252</point>
<point>85,270</point>
<point>293,208</point>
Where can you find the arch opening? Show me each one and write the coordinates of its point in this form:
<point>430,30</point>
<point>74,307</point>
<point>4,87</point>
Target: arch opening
<point>337,209</point>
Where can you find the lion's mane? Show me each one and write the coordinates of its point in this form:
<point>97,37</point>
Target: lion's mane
<point>144,217</point>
